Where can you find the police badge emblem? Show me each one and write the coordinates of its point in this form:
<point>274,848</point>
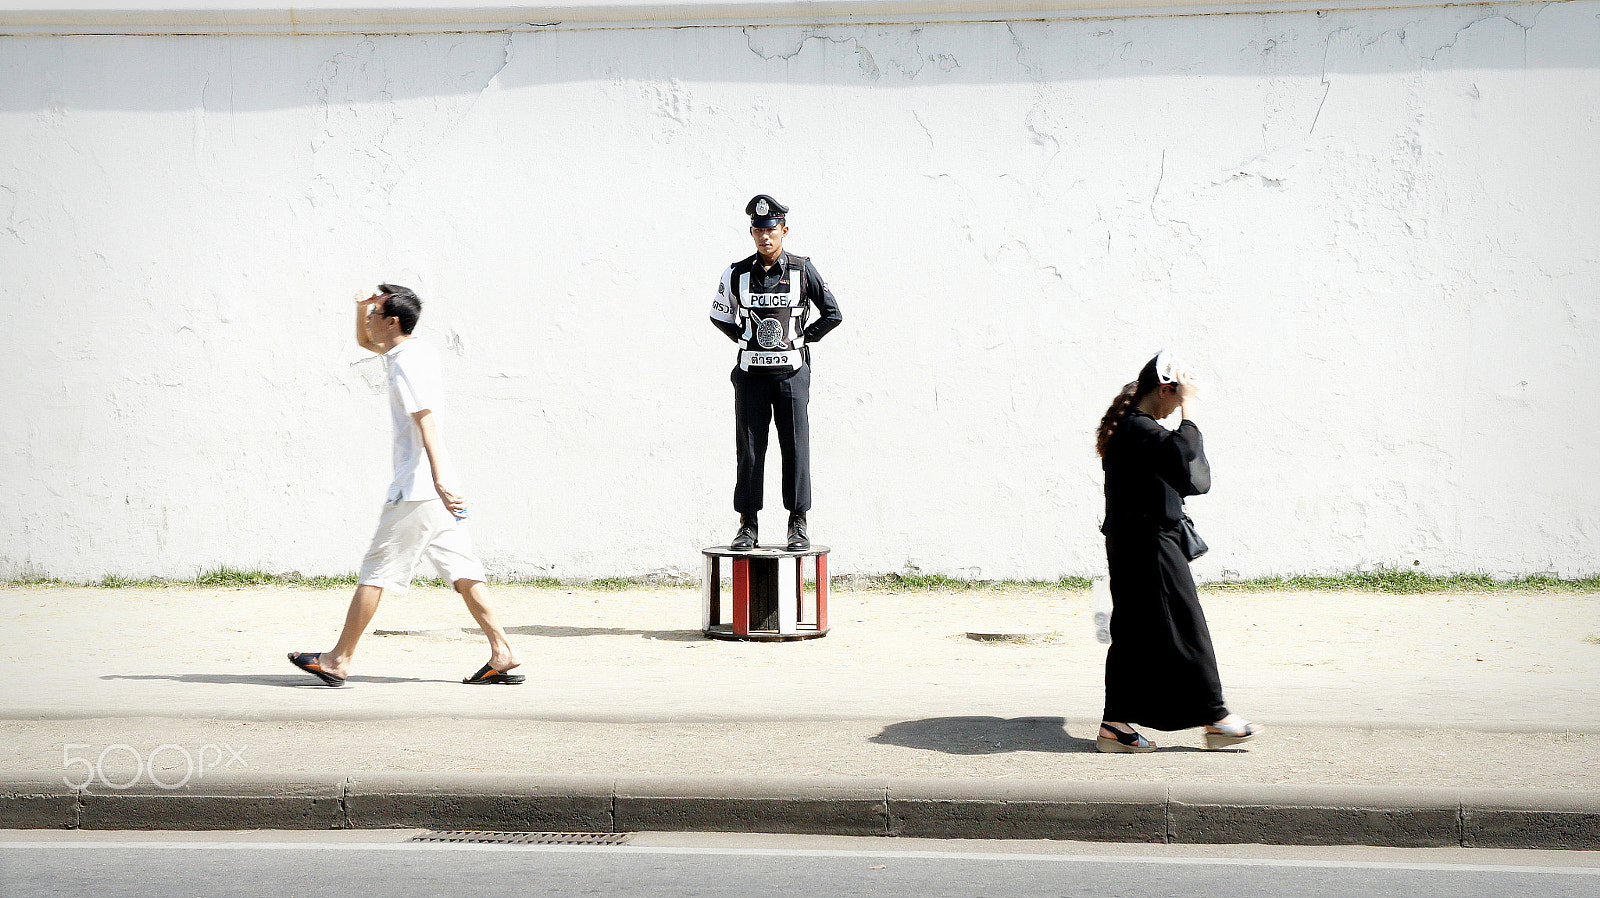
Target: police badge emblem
<point>769,333</point>
<point>762,208</point>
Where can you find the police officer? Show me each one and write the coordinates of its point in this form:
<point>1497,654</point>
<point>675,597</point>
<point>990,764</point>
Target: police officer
<point>762,304</point>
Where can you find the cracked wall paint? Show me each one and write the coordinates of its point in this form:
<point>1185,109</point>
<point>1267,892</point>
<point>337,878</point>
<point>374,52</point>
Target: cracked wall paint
<point>1371,231</point>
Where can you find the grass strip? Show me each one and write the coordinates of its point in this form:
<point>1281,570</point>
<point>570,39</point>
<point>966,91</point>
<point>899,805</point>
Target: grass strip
<point>1385,580</point>
<point>943,583</point>
<point>1405,582</point>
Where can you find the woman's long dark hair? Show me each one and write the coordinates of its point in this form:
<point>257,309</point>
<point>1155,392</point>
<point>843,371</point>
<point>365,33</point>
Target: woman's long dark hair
<point>1131,395</point>
<point>1114,416</point>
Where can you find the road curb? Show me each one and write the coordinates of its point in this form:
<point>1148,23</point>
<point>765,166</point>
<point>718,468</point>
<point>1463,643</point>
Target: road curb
<point>1315,815</point>
<point>847,806</point>
<point>936,808</point>
<point>479,801</point>
<point>1028,809</point>
<point>1514,818</point>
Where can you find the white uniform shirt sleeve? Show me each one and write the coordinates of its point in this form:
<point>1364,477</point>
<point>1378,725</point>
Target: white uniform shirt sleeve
<point>722,304</point>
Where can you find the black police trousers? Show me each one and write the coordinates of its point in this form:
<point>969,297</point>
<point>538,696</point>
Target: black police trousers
<point>760,400</point>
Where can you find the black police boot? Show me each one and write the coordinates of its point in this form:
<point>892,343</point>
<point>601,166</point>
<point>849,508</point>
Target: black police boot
<point>746,537</point>
<point>798,541</point>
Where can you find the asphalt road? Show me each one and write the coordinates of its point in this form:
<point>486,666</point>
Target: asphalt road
<point>665,865</point>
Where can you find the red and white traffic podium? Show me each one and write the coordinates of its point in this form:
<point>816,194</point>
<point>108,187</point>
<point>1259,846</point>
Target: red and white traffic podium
<point>768,596</point>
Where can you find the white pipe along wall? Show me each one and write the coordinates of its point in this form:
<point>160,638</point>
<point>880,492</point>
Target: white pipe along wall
<point>1371,232</point>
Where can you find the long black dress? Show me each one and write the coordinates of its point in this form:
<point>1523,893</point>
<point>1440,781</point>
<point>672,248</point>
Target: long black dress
<point>1161,670</point>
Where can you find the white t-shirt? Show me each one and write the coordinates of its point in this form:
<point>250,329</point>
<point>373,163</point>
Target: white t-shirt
<point>414,384</point>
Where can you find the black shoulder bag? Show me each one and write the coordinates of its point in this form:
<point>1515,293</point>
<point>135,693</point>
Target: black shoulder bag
<point>1189,540</point>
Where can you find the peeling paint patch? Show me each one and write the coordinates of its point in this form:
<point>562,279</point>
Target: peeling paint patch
<point>877,50</point>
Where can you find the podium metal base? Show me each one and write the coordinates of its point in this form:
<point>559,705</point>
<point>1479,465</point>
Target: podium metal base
<point>767,598</point>
<point>725,632</point>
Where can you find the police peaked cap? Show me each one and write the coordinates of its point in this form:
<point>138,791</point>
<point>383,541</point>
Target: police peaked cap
<point>764,211</point>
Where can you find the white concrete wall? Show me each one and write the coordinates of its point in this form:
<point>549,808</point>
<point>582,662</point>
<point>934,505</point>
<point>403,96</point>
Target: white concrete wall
<point>1373,232</point>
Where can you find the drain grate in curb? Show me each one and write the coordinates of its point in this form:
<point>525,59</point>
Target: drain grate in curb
<point>499,838</point>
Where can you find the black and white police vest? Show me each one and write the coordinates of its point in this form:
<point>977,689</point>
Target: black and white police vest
<point>774,323</point>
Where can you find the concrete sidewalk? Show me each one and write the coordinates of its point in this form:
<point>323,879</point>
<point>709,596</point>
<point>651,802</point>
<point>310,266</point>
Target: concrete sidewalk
<point>1393,720</point>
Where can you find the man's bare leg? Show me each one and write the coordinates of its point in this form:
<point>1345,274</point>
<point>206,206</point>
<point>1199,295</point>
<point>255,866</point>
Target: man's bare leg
<point>476,595</point>
<point>363,605</point>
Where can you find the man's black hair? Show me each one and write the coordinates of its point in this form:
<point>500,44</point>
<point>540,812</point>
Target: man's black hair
<point>399,302</point>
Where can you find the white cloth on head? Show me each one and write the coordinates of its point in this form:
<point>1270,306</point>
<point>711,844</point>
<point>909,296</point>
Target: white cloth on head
<point>1167,367</point>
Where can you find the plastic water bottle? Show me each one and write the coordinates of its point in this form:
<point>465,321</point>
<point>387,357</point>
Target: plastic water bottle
<point>1101,592</point>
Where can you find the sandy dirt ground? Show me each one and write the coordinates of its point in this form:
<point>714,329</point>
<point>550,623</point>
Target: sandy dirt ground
<point>1460,689</point>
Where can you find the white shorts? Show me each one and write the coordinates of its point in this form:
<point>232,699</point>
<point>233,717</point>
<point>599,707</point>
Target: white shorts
<point>407,532</point>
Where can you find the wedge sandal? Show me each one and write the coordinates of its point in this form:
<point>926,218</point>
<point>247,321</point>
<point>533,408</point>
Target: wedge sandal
<point>1125,743</point>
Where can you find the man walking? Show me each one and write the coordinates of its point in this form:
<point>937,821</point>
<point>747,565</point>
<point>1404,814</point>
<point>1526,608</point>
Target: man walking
<point>422,513</point>
<point>762,304</point>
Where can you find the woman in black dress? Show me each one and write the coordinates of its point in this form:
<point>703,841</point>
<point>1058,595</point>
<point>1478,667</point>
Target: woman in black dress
<point>1161,671</point>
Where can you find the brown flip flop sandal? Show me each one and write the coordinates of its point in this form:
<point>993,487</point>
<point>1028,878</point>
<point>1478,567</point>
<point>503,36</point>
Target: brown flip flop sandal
<point>487,675</point>
<point>310,662</point>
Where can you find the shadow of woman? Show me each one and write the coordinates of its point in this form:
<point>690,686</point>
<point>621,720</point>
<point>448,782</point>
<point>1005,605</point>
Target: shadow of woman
<point>984,735</point>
